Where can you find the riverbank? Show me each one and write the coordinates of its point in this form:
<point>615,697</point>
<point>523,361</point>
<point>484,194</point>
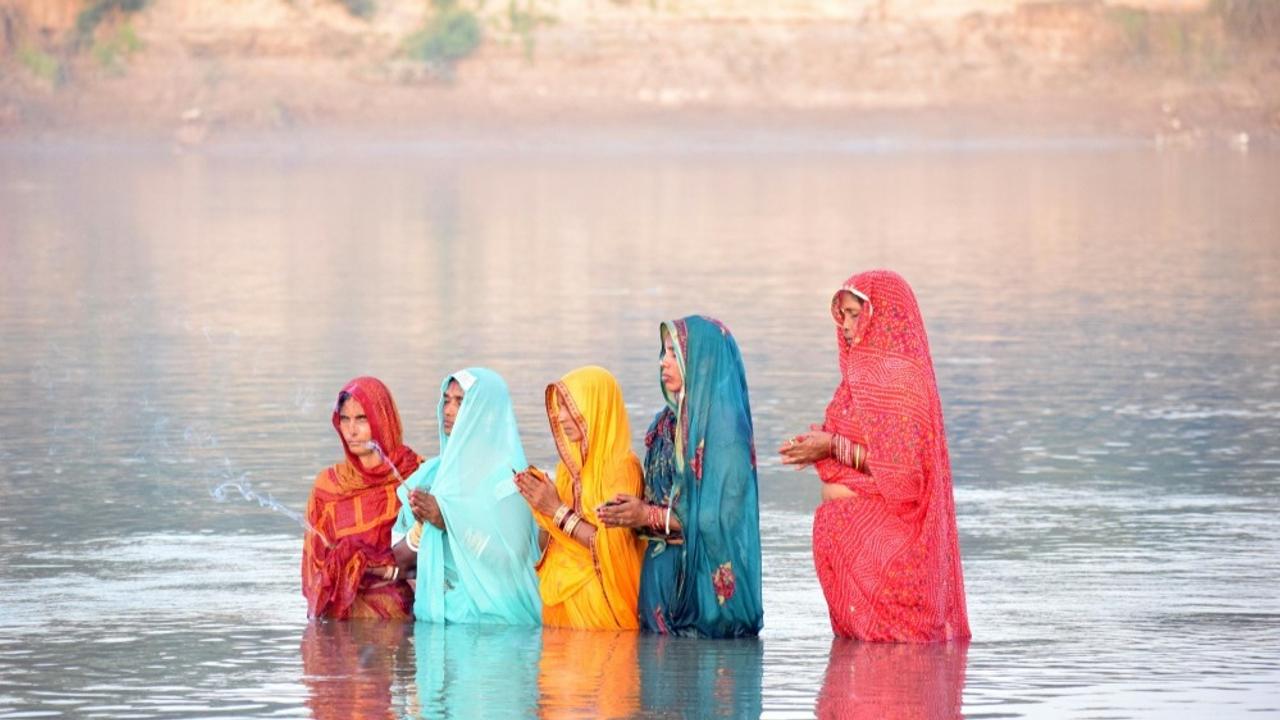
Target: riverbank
<point>193,71</point>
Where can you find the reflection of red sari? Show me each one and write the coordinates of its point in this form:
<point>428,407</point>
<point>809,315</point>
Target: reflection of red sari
<point>349,668</point>
<point>888,558</point>
<point>352,510</point>
<point>878,681</point>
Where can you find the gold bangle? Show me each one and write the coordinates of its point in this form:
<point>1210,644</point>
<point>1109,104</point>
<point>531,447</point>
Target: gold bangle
<point>572,524</point>
<point>560,514</point>
<point>569,517</point>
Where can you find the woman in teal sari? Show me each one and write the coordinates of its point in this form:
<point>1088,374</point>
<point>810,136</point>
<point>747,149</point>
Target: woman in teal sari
<point>476,550</point>
<point>700,512</point>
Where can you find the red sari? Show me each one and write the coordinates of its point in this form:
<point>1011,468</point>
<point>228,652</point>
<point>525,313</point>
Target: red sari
<point>352,509</point>
<point>889,557</point>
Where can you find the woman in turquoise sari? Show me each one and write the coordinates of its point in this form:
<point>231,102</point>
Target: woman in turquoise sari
<point>700,513</point>
<point>475,541</point>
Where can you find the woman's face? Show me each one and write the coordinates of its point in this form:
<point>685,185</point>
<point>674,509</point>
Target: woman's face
<point>354,425</point>
<point>567,424</point>
<point>672,380</point>
<point>452,398</point>
<point>848,309</point>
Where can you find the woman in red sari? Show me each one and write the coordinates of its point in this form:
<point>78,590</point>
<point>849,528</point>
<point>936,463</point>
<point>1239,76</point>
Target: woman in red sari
<point>884,538</point>
<point>348,570</point>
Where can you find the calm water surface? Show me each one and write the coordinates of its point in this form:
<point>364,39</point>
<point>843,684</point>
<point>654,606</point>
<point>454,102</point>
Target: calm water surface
<point>1105,323</point>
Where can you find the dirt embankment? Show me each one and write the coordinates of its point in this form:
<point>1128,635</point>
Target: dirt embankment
<point>1183,71</point>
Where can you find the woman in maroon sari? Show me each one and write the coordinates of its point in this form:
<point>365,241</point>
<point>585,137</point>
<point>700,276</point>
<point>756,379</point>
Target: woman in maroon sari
<point>348,570</point>
<point>884,538</point>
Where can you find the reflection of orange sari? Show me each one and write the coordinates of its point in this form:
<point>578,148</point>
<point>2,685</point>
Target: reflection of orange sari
<point>349,668</point>
<point>351,510</point>
<point>596,587</point>
<point>589,673</point>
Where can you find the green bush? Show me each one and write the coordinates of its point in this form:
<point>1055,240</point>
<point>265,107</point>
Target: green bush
<point>1135,28</point>
<point>450,35</point>
<point>359,8</point>
<point>96,11</point>
<point>524,22</point>
<point>41,64</point>
<point>110,52</point>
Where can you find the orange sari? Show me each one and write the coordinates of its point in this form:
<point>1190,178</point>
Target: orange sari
<point>594,587</point>
<point>351,511</point>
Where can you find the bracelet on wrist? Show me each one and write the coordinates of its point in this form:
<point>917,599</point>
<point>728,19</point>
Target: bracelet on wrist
<point>561,512</point>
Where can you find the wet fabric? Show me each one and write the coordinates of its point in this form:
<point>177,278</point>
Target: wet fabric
<point>351,511</point>
<point>591,587</point>
<point>700,462</point>
<point>479,569</point>
<point>888,557</point>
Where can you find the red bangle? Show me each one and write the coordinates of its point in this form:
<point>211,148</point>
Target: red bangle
<point>654,517</point>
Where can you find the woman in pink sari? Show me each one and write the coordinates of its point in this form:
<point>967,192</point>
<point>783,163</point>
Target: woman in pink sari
<point>884,539</point>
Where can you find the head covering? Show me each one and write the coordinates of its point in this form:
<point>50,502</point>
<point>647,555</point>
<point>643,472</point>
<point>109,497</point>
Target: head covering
<point>700,461</point>
<point>351,510</point>
<point>590,472</point>
<point>480,569</point>
<point>385,428</point>
<point>888,401</point>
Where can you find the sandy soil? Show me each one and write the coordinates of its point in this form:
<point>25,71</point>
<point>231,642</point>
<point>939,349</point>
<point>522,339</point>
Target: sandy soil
<point>197,70</point>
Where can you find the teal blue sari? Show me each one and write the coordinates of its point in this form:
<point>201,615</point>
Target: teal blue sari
<point>480,568</point>
<point>700,461</point>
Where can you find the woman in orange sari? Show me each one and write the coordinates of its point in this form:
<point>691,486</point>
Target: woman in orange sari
<point>589,574</point>
<point>348,570</point>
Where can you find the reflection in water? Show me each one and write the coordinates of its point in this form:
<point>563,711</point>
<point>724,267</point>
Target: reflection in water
<point>480,671</point>
<point>587,674</point>
<point>894,680</point>
<point>349,668</point>
<point>688,677</point>
<point>1106,327</point>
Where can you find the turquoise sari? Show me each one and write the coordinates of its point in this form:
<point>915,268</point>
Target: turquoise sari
<point>480,569</point>
<point>700,461</point>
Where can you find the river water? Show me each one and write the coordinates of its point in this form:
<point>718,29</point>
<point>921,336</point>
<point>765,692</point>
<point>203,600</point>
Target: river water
<point>1105,322</point>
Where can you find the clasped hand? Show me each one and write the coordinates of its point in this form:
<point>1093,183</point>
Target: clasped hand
<point>806,449</point>
<point>538,490</point>
<point>623,511</point>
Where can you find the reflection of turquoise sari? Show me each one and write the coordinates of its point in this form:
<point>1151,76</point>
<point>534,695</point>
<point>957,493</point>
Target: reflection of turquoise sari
<point>481,569</point>
<point>475,671</point>
<point>700,460</point>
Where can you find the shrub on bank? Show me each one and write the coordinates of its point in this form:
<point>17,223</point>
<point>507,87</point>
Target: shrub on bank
<point>450,35</point>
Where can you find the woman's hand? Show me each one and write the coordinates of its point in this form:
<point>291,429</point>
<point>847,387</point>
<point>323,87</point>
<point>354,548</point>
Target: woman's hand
<point>624,510</point>
<point>806,449</point>
<point>425,508</point>
<point>538,491</point>
<point>382,574</point>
